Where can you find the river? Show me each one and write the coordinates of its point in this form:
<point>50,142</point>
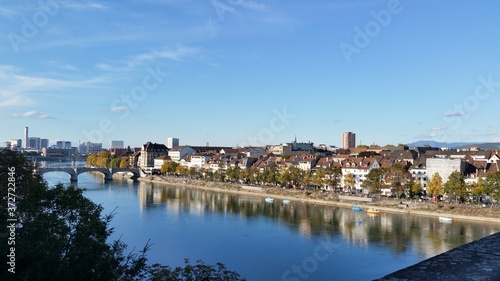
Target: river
<point>269,241</point>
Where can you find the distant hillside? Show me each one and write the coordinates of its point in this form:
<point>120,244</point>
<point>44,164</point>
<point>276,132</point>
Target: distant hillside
<point>442,144</point>
<point>484,146</point>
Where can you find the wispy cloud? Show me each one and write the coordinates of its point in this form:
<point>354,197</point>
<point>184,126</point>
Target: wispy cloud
<point>118,108</point>
<point>8,13</point>
<point>86,6</point>
<point>178,53</point>
<point>19,89</point>
<point>64,66</point>
<point>33,115</point>
<point>455,114</point>
<point>437,129</point>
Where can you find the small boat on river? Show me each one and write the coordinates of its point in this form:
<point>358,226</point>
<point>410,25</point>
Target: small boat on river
<point>269,199</point>
<point>373,212</point>
<point>357,208</point>
<point>445,220</point>
<point>286,201</point>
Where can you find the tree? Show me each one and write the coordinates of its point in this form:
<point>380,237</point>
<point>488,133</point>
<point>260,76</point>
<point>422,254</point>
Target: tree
<point>349,181</point>
<point>115,162</point>
<point>169,167</point>
<point>304,178</point>
<point>334,175</point>
<point>124,163</point>
<point>435,185</point>
<point>319,178</point>
<point>416,189</point>
<point>456,186</point>
<point>397,176</point>
<point>199,271</point>
<point>233,173</point>
<point>477,189</point>
<point>60,234</point>
<point>181,170</point>
<point>92,159</point>
<point>492,185</point>
<point>374,180</point>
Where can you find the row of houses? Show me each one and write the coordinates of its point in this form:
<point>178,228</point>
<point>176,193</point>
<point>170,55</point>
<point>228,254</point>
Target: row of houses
<point>421,163</point>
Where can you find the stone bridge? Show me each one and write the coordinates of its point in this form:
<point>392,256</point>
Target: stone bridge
<point>74,172</point>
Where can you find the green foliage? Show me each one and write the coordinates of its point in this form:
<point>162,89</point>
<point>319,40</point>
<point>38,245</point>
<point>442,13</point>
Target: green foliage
<point>334,175</point>
<point>319,178</point>
<point>397,176</point>
<point>374,180</point>
<point>492,185</point>
<point>60,234</point>
<point>199,271</point>
<point>349,181</point>
<point>416,189</point>
<point>169,167</point>
<point>456,185</point>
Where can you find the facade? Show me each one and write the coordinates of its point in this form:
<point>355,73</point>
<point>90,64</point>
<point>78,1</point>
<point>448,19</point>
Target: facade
<point>150,151</point>
<point>444,166</point>
<point>34,143</point>
<point>58,152</point>
<point>44,143</point>
<point>63,144</point>
<point>178,152</point>
<point>117,144</point>
<point>348,140</point>
<point>172,142</point>
<point>89,147</point>
<point>16,143</point>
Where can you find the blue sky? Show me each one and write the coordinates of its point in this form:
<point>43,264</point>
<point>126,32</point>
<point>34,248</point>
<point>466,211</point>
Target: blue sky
<point>236,72</point>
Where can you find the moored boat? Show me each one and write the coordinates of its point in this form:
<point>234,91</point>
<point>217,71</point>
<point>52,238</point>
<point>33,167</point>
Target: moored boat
<point>373,211</point>
<point>445,220</point>
<point>357,208</point>
<point>286,201</point>
<point>269,199</point>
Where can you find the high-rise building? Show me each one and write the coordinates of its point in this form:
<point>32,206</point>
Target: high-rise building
<point>89,147</point>
<point>26,140</point>
<point>348,140</point>
<point>44,143</point>
<point>34,143</point>
<point>63,144</point>
<point>172,142</point>
<point>17,143</point>
<point>117,144</point>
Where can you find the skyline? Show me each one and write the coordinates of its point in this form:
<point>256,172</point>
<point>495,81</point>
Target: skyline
<point>235,72</point>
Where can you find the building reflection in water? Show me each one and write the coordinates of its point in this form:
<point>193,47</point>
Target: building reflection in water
<point>399,232</point>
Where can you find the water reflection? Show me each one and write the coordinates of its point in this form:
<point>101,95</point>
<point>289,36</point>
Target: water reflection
<point>401,233</point>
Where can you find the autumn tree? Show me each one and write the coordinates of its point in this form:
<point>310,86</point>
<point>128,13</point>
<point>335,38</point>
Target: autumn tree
<point>349,181</point>
<point>416,188</point>
<point>319,178</point>
<point>169,167</point>
<point>435,185</point>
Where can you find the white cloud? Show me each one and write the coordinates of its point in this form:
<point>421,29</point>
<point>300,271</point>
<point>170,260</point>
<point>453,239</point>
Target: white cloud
<point>8,13</point>
<point>33,115</point>
<point>455,114</point>
<point>64,66</point>
<point>118,108</point>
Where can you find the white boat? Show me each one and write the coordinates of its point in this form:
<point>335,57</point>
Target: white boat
<point>269,199</point>
<point>286,201</point>
<point>445,220</point>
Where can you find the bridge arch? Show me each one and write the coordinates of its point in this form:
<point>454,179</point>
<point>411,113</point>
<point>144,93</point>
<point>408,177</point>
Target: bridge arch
<point>74,172</point>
